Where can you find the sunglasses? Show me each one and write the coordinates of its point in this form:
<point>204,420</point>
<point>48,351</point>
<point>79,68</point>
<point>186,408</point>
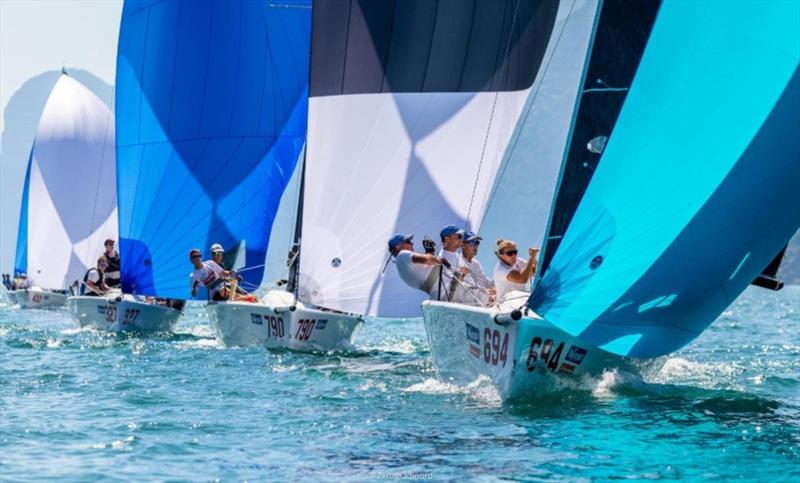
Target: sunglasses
<point>195,256</point>
<point>510,253</point>
<point>476,243</point>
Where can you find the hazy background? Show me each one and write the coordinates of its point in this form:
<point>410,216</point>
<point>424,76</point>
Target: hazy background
<point>38,38</point>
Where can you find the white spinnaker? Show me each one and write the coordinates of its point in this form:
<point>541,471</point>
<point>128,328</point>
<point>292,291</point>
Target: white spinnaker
<point>386,163</point>
<point>521,200</point>
<point>72,198</point>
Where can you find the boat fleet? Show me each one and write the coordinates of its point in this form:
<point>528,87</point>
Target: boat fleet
<point>649,152</point>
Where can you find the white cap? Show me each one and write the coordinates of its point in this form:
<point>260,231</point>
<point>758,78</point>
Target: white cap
<point>216,248</point>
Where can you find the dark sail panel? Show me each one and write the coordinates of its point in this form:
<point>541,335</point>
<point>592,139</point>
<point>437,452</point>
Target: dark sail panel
<point>363,46</point>
<point>622,32</point>
<point>769,277</point>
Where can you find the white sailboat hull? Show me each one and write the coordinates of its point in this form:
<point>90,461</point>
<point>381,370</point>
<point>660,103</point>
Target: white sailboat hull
<point>522,358</point>
<point>11,296</point>
<point>37,298</point>
<point>122,314</point>
<point>271,323</point>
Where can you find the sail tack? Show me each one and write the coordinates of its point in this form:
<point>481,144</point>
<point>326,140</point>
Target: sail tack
<point>696,190</point>
<point>212,105</point>
<point>69,200</point>
<point>413,106</point>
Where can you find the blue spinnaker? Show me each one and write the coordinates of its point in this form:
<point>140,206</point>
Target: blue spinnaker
<point>696,191</point>
<point>21,260</point>
<point>212,101</point>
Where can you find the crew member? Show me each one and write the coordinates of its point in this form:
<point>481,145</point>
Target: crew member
<point>512,273</point>
<point>417,270</point>
<point>112,273</point>
<point>210,274</point>
<point>94,281</point>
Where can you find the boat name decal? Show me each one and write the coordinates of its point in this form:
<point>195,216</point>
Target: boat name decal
<point>473,340</point>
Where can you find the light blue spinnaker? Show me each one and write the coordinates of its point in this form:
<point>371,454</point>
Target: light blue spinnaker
<point>21,259</point>
<point>696,191</point>
<point>211,106</point>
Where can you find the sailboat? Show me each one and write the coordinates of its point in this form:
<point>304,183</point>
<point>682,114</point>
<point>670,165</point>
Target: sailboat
<point>68,207</point>
<point>211,123</point>
<point>280,318</point>
<point>676,191</point>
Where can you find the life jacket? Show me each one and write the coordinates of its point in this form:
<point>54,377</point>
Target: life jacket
<point>85,287</point>
<point>112,273</point>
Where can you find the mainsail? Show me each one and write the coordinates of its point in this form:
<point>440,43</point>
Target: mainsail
<point>695,191</point>
<point>212,105</point>
<point>413,106</point>
<point>69,199</point>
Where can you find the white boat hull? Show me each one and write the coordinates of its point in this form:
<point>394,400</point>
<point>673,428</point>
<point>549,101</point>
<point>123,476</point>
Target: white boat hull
<point>271,323</point>
<point>521,358</point>
<point>122,314</point>
<point>11,296</point>
<point>36,298</point>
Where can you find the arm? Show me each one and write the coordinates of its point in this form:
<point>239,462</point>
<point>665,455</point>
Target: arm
<point>529,270</point>
<point>426,259</point>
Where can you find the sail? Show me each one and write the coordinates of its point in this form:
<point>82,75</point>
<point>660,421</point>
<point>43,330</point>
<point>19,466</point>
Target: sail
<point>70,187</point>
<point>21,258</point>
<point>695,191</point>
<point>212,105</point>
<point>524,189</point>
<point>413,106</point>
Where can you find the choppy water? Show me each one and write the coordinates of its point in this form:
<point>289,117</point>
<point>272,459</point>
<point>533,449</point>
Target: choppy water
<point>80,405</point>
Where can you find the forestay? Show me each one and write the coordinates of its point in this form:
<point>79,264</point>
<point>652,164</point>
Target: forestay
<point>413,105</point>
<point>212,103</point>
<point>69,199</point>
<point>696,190</point>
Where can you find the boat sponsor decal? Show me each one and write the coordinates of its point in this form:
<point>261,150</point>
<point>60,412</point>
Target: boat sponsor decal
<point>130,316</point>
<point>305,327</point>
<point>566,368</point>
<point>256,319</point>
<point>495,347</point>
<point>576,354</point>
<point>321,324</point>
<point>474,340</point>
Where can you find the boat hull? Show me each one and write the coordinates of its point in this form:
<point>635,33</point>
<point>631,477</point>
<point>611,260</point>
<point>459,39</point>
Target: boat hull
<point>11,296</point>
<point>36,298</point>
<point>122,314</point>
<point>522,359</point>
<point>271,323</point>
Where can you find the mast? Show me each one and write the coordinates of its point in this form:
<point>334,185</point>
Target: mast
<point>294,252</point>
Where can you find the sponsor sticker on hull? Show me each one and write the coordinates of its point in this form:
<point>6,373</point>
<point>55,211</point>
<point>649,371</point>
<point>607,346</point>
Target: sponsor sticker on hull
<point>473,340</point>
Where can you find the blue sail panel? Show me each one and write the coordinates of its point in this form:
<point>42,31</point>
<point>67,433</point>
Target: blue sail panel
<point>212,101</point>
<point>21,259</point>
<point>696,190</point>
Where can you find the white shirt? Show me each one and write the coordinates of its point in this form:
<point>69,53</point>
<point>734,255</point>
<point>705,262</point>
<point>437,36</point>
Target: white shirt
<point>413,274</point>
<point>93,276</point>
<point>207,275</point>
<point>501,282</point>
<point>476,275</point>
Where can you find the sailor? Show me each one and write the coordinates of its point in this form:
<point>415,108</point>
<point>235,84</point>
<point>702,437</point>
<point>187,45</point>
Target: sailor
<point>210,274</point>
<point>452,242</point>
<point>7,281</point>
<point>469,250</point>
<point>94,281</point>
<point>23,282</point>
<point>217,253</point>
<point>512,273</point>
<point>417,270</point>
<point>112,273</point>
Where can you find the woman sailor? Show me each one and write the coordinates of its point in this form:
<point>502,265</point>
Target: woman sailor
<point>512,273</point>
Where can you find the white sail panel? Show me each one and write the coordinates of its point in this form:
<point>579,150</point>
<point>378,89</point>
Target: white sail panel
<point>72,187</point>
<point>524,190</point>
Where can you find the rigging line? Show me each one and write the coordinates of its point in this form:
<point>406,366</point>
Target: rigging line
<point>491,117</point>
<point>536,90</point>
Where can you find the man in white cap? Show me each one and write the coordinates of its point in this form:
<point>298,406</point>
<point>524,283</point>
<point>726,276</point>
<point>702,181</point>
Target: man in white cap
<point>217,253</point>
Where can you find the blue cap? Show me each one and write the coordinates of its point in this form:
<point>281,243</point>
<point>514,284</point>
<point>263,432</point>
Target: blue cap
<point>398,239</point>
<point>450,230</point>
<point>471,237</point>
